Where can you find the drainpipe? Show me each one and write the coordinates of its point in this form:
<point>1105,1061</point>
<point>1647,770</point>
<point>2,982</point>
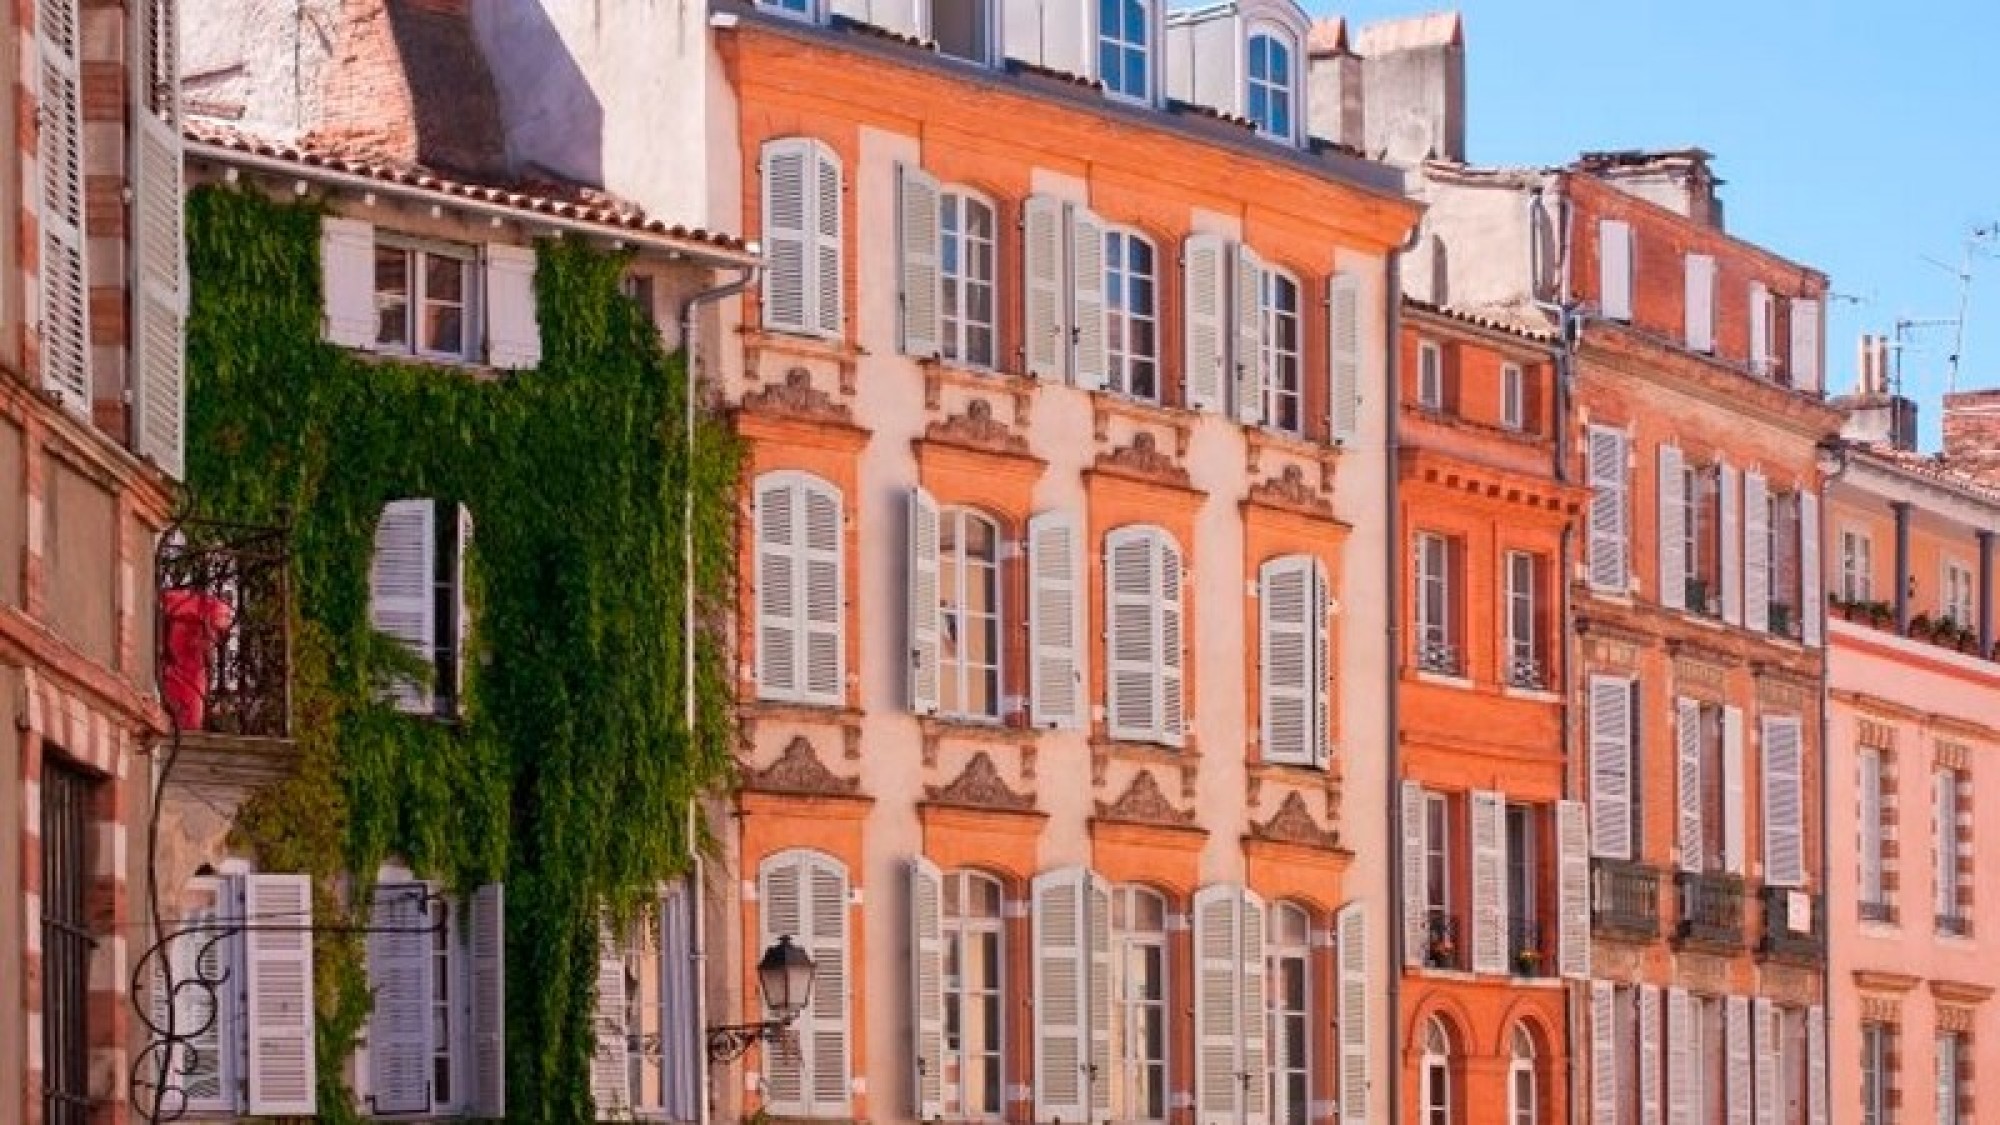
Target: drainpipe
<point>1902,510</point>
<point>697,899</point>
<point>1985,593</point>
<point>1392,395</point>
<point>1827,479</point>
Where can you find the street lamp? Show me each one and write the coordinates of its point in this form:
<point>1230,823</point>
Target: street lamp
<point>785,980</point>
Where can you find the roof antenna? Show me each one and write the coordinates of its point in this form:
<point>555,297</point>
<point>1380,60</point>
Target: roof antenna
<point>1977,241</point>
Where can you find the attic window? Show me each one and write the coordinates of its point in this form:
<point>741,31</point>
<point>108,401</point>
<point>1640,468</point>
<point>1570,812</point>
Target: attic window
<point>797,9</point>
<point>1269,97</point>
<point>1124,48</point>
<point>963,29</point>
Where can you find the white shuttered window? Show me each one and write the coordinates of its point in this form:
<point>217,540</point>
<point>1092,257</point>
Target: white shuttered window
<point>1073,995</point>
<point>1293,634</point>
<point>159,305</point>
<point>1610,510</point>
<point>1614,263</point>
<point>1784,801</point>
<point>802,237</point>
<point>416,595</point>
<point>1232,1058</point>
<point>803,895</point>
<point>800,589</point>
<point>1351,955</point>
<point>1055,621</point>
<point>278,977</point>
<point>1612,804</point>
<point>65,286</point>
<point>1144,635</point>
<point>1700,303</point>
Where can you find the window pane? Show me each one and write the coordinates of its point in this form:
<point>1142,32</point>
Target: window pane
<point>392,295</point>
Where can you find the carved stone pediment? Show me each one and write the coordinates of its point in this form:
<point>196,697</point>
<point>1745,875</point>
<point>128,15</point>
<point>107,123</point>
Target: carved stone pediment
<point>796,397</point>
<point>1143,458</point>
<point>1290,490</point>
<point>1144,803</point>
<point>977,428</point>
<point>799,770</point>
<point>980,786</point>
<point>1293,823</point>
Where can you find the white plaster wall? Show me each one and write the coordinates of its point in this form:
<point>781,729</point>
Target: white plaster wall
<point>264,57</point>
<point>1486,234</point>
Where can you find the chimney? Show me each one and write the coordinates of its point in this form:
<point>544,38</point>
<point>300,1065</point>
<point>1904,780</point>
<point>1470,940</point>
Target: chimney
<point>1413,89</point>
<point>1679,180</point>
<point>1972,433</point>
<point>1876,415</point>
<point>408,83</point>
<point>1334,112</point>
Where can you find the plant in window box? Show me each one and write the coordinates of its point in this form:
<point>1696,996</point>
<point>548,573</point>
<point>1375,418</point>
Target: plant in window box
<point>1781,619</point>
<point>1881,614</point>
<point>1922,628</point>
<point>1530,960</point>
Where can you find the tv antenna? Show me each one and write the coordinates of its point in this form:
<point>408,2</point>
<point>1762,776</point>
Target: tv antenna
<point>1977,241</point>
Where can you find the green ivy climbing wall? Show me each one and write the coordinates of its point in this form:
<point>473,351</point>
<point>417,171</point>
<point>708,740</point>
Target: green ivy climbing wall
<point>571,773</point>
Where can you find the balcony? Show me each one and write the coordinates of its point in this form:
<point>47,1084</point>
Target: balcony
<point>1442,947</point>
<point>1711,908</point>
<point>225,630</point>
<point>1527,948</point>
<point>1785,912</point>
<point>1624,899</point>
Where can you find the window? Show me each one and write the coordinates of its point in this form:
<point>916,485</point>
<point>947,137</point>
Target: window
<point>1513,397</point>
<point>965,273</point>
<point>1610,512</point>
<point>973,1004</point>
<point>1700,302</point>
<point>1278,352</point>
<point>1878,1072</point>
<point>1954,1060</point>
<point>1526,667</point>
<point>802,200</point>
<point>1958,595</point>
<point>425,299</point>
<point>1701,542</point>
<point>1293,660</point>
<point>1290,1006</point>
<point>1527,952</point>
<point>963,29</point>
<point>1522,1098</point>
<point>1715,793</point>
<point>654,1024</point>
<point>1124,48</point>
<point>1131,322</point>
<point>800,597</point>
<point>803,895</point>
<point>1784,555</point>
<point>1857,567</point>
<point>1949,851</point>
<point>1144,648</point>
<point>1436,1074</point>
<point>1614,269</point>
<point>1710,1093</point>
<point>1874,896</point>
<point>1614,808</point>
<point>433,1032</point>
<point>1437,604</point>
<point>66,940</point>
<point>1140,1033</point>
<point>1270,85</point>
<point>969,608</point>
<point>416,584</point>
<point>801,9</point>
<point>1430,375</point>
<point>1440,919</point>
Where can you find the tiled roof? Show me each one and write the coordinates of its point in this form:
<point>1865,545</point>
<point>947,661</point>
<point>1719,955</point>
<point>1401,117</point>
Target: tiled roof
<point>1932,467</point>
<point>1527,324</point>
<point>561,201</point>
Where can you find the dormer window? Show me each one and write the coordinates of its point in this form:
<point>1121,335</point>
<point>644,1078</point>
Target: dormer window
<point>797,9</point>
<point>963,29</point>
<point>1268,99</point>
<point>1125,48</point>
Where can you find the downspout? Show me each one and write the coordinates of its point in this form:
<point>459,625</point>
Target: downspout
<point>697,899</point>
<point>1839,448</point>
<point>1392,395</point>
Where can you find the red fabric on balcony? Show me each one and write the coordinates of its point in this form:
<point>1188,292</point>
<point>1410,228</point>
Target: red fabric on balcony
<point>196,622</point>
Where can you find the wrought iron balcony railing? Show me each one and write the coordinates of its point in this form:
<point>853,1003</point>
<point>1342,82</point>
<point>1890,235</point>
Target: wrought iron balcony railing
<point>1625,899</point>
<point>225,628</point>
<point>1794,924</point>
<point>1711,908</point>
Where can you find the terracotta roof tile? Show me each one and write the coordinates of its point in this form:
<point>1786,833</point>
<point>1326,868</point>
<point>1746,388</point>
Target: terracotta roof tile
<point>1528,324</point>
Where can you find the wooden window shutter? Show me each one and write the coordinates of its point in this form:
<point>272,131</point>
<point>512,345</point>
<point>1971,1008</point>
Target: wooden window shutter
<point>781,912</point>
<point>1729,520</point>
<point>1687,742</point>
<point>1812,606</point>
<point>1252,1001</point>
<point>1097,947</point>
<point>1132,653</point>
<point>1760,329</point>
<point>204,1068</point>
<point>780,626</point>
<point>278,982</point>
<point>1816,1065</point>
<point>927,979</point>
<point>683,1049</point>
<point>1287,620</point>
<point>1614,256</point>
<point>1205,297</point>
<point>1764,1024</point>
<point>1735,837</point>
<point>1321,633</point>
<point>347,273</point>
<point>827,903</point>
<point>1603,1054</point>
<point>1609,570</point>
<point>1572,890</point>
<point>488,947</point>
<point>790,294</point>
<point>64,275</point>
<point>1172,644</point>
<point>1066,45</point>
<point>1218,927</point>
<point>1673,530</point>
<point>1736,1038</point>
<point>1805,343</point>
<point>1344,350</point>
<point>823,595</point>
<point>1756,553</point>
<point>1681,1063</point>
<point>1611,788</point>
<point>1055,619</point>
<point>1488,816</point>
<point>399,976</point>
<point>610,1085</point>
<point>1784,802</point>
<point>926,616</point>
<point>1046,312</point>
<point>1249,320</point>
<point>917,230</point>
<point>829,300</point>
<point>1089,362</point>
<point>1062,983</point>
<point>159,304</point>
<point>1351,954</point>
<point>400,602</point>
<point>513,326</point>
<point>1649,1054</point>
<point>1700,303</point>
<point>1416,840</point>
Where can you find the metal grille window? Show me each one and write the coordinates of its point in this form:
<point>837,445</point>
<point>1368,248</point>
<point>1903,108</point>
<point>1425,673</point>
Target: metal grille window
<point>1525,667</point>
<point>965,276</point>
<point>969,609</point>
<point>1437,604</point>
<point>1124,47</point>
<point>1437,879</point>
<point>66,943</point>
<point>973,1028</point>
<point>424,299</point>
<point>1279,301</point>
<point>1270,85</point>
<point>1131,325</point>
<point>1140,1034</point>
<point>1290,1005</point>
<point>1525,952</point>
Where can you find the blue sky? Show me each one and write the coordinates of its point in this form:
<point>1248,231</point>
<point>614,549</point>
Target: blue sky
<point>1855,138</point>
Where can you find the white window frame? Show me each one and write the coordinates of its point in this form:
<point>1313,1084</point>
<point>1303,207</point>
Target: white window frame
<point>1437,624</point>
<point>1282,94</point>
<point>1125,45</point>
<point>1436,1064</point>
<point>1137,1074</point>
<point>954,664</point>
<point>1513,397</point>
<point>1857,565</point>
<point>1523,1106</point>
<point>1275,362</point>
<point>1949,1076</point>
<point>1958,594</point>
<point>677,1049</point>
<point>1430,375</point>
<point>1439,890</point>
<point>1124,363</point>
<point>417,252</point>
<point>807,10</point>
<point>956,324</point>
<point>1876,1078</point>
<point>1871,886</point>
<point>1168,720</point>
<point>1525,666</point>
<point>1287,1022</point>
<point>1947,890</point>
<point>956,929</point>
<point>990,32</point>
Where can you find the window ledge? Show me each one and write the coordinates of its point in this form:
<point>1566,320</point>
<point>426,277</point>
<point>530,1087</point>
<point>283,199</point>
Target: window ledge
<point>464,365</point>
<point>1106,405</point>
<point>1538,695</point>
<point>981,730</point>
<point>1463,683</point>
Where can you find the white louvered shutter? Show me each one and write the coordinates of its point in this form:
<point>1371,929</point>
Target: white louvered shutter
<point>1173,652</point>
<point>399,976</point>
<point>204,1068</point>
<point>1614,256</point>
<point>347,273</point>
<point>826,906</point>
<point>1062,991</point>
<point>1205,295</point>
<point>683,1052</point>
<point>1416,840</point>
<point>400,591</point>
<point>780,624</point>
<point>1735,836</point>
<point>1729,517</point>
<point>159,303</point>
<point>1055,622</point>
<point>513,326</point>
<point>927,980</point>
<point>781,912</point>
<point>1813,606</point>
<point>1611,767</point>
<point>829,298</point>
<point>1784,803</point>
<point>917,230</point>
<point>1132,653</point>
<point>1687,742</point>
<point>1344,351</point>
<point>278,982</point>
<point>1736,1013</point>
<point>1251,1001</point>
<point>1089,363</point>
<point>926,614</point>
<point>1673,530</point>
<point>1351,941</point>
<point>1764,1024</point>
<point>65,284</point>
<point>1756,553</point>
<point>1097,947</point>
<point>1320,737</point>
<point>1065,45</point>
<point>1248,390</point>
<point>1649,1054</point>
<point>1047,311</point>
<point>1218,927</point>
<point>1806,345</point>
<point>1288,621</point>
<point>1609,521</point>
<point>1816,1065</point>
<point>1572,890</point>
<point>488,946</point>
<point>1489,882</point>
<point>823,656</point>
<point>1700,303</point>
<point>1871,826</point>
<point>610,1089</point>
<point>1603,1054</point>
<point>790,296</point>
<point>1760,329</point>
<point>1682,1107</point>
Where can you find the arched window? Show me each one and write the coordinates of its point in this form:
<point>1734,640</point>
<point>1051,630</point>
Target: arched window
<point>969,614</point>
<point>1435,1076</point>
<point>1290,1004</point>
<point>1125,48</point>
<point>1271,74</point>
<point>965,278</point>
<point>1139,1032</point>
<point>973,1023</point>
<point>1523,1098</point>
<point>1131,316</point>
